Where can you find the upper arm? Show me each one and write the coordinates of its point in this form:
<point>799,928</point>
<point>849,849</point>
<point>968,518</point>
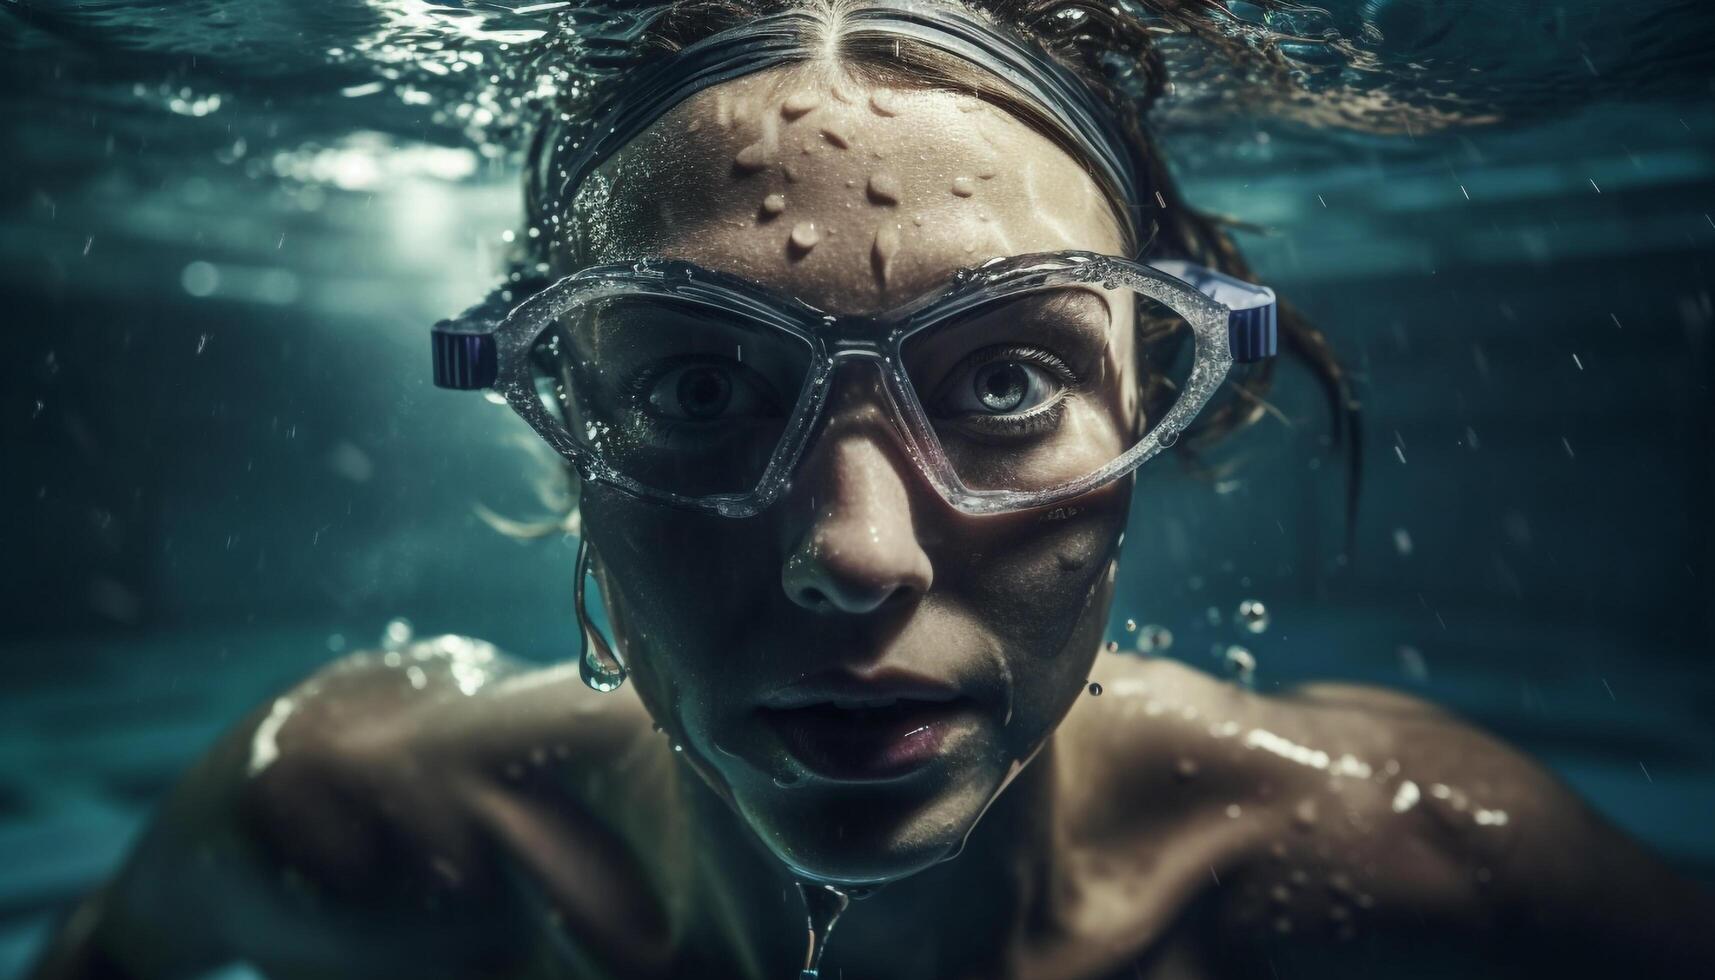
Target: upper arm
<point>174,907</point>
<point>304,840</point>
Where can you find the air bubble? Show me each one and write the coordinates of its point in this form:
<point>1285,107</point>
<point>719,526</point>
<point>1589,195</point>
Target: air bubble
<point>1253,616</point>
<point>1154,639</point>
<point>1240,665</point>
<point>1095,689</point>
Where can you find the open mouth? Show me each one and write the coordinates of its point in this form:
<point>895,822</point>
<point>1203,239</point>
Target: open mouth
<point>853,738</point>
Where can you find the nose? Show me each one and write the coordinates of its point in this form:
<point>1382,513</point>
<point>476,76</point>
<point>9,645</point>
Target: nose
<point>859,550</point>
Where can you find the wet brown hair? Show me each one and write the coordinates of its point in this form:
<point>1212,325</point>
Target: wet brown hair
<point>1112,49</point>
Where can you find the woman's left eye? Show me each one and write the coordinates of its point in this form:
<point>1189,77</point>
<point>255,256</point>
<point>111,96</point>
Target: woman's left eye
<point>1004,386</point>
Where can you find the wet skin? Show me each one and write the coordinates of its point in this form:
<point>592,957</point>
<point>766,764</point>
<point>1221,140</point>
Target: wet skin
<point>447,812</point>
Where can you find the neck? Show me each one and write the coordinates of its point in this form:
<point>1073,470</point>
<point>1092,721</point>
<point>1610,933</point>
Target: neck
<point>966,911</point>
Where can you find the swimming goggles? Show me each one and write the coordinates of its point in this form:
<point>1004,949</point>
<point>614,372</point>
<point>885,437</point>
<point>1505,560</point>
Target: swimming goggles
<point>1018,384</point>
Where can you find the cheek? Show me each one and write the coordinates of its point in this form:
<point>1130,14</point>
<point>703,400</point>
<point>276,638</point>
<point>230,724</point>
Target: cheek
<point>678,587</point>
<point>1042,585</point>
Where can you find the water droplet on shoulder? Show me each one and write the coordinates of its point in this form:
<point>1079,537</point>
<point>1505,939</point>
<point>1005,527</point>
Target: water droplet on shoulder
<point>397,634</point>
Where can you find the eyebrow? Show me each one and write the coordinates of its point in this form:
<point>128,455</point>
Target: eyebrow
<point>1080,303</point>
<point>1062,307</point>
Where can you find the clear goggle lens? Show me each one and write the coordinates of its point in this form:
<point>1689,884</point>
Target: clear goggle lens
<point>1036,391</point>
<point>1028,392</point>
<point>679,398</point>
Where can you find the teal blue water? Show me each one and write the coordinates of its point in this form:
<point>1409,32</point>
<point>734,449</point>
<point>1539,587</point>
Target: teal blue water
<point>225,228</point>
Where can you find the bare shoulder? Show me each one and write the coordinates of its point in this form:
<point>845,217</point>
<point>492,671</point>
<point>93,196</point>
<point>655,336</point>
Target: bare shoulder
<point>403,750</point>
<point>356,813</point>
<point>1336,811</point>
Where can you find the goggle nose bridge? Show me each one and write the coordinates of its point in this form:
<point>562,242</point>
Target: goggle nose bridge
<point>854,352</point>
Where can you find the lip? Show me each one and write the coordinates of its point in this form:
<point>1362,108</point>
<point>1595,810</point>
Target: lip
<point>850,727</point>
<point>845,686</point>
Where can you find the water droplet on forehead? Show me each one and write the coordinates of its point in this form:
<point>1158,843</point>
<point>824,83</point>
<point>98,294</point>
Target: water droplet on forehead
<point>885,248</point>
<point>805,235</point>
<point>799,103</point>
<point>883,188</point>
<point>751,159</point>
<point>836,135</point>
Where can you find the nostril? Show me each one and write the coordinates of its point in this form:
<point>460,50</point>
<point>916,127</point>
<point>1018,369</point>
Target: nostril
<point>854,600</point>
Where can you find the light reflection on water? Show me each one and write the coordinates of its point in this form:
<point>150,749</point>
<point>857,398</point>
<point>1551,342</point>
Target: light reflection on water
<point>232,126</point>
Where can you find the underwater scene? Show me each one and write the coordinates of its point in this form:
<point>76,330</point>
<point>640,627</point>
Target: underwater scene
<point>1447,555</point>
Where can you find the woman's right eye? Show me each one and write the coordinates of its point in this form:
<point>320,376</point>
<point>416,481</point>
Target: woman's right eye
<point>707,391</point>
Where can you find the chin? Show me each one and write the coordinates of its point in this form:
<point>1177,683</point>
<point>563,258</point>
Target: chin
<point>857,835</point>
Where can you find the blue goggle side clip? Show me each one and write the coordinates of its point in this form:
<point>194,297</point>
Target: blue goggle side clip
<point>1253,329</point>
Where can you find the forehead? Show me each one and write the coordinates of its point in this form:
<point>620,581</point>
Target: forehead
<point>852,196</point>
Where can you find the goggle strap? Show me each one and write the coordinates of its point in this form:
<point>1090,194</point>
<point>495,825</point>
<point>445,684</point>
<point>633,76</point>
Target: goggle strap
<point>465,360</point>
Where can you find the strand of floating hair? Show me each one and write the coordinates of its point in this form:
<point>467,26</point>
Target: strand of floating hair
<point>529,530</point>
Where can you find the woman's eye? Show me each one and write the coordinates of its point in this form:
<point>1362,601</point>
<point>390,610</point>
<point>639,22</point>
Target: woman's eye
<point>705,393</point>
<point>1002,387</point>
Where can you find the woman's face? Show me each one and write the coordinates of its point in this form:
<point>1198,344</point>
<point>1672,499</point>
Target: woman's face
<point>861,668</point>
